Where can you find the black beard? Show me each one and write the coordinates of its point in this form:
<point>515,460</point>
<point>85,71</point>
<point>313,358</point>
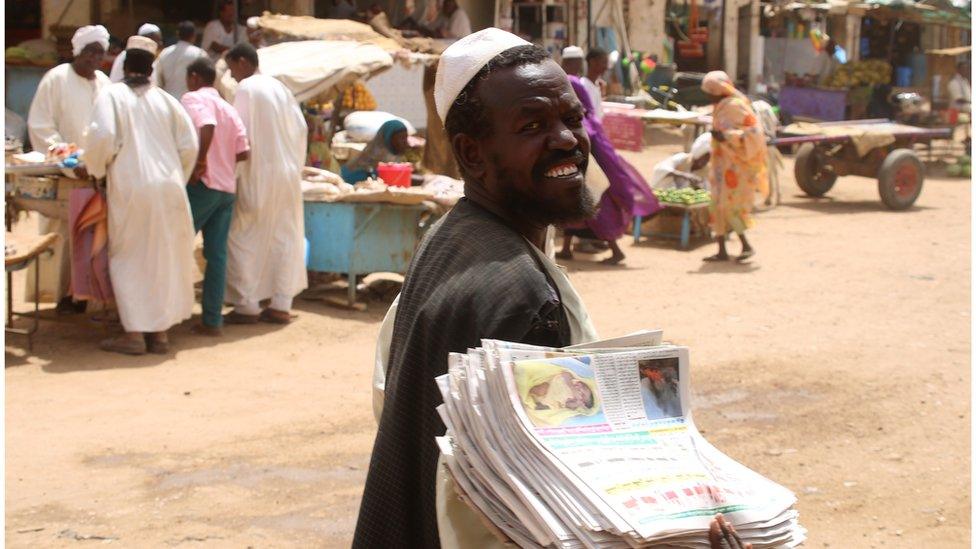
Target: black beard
<point>542,212</point>
<point>528,206</point>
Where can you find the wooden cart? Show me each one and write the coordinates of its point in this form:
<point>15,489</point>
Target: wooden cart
<point>823,157</point>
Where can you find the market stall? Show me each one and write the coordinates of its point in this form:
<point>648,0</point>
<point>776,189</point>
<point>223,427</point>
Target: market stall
<point>844,95</point>
<point>371,226</point>
<point>688,207</point>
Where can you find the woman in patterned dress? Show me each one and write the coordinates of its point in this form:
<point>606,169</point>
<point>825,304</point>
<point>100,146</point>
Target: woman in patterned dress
<point>738,164</point>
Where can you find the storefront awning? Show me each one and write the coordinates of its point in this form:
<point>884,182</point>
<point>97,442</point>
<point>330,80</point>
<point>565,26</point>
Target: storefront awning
<point>315,68</point>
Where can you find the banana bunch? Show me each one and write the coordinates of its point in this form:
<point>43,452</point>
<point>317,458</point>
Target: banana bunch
<point>860,73</point>
<point>686,196</point>
<point>358,98</point>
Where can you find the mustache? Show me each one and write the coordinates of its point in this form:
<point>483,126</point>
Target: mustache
<point>556,158</point>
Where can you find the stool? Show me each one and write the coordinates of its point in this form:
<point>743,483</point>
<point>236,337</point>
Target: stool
<point>26,251</point>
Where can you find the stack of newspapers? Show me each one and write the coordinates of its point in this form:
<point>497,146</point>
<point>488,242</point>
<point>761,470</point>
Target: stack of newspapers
<point>594,446</point>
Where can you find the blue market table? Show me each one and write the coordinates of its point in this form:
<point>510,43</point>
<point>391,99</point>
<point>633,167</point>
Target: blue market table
<point>358,238</point>
<point>684,235</point>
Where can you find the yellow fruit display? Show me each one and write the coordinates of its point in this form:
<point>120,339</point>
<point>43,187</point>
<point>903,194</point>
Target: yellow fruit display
<point>860,73</point>
<point>358,98</point>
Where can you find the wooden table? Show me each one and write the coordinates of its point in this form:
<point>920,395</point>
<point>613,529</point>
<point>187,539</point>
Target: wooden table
<point>24,251</point>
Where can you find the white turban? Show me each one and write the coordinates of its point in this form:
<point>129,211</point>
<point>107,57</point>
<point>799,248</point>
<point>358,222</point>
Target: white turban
<point>463,59</point>
<point>572,52</point>
<point>148,28</point>
<point>90,34</point>
<point>701,146</point>
<point>142,43</point>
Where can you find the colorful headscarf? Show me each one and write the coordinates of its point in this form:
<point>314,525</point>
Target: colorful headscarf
<point>389,129</point>
<point>718,83</point>
<point>380,149</point>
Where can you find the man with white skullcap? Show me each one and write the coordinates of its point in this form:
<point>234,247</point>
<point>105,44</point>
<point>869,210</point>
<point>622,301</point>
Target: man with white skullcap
<point>147,30</point>
<point>515,126</point>
<point>573,60</point>
<point>150,230</point>
<point>59,113</point>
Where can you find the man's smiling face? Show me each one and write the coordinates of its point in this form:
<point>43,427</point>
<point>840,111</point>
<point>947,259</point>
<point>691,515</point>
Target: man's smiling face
<point>537,146</point>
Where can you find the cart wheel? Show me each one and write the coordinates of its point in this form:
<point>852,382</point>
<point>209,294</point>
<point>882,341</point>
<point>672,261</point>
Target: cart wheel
<point>900,179</point>
<point>813,174</point>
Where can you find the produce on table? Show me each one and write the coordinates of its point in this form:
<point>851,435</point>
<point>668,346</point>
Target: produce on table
<point>358,98</point>
<point>686,196</point>
<point>860,73</point>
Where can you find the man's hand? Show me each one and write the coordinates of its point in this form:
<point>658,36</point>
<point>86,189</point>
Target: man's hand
<point>721,535</point>
<point>217,47</point>
<point>199,169</point>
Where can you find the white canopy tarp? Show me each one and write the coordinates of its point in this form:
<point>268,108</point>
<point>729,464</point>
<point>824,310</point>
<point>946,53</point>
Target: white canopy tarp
<point>314,68</point>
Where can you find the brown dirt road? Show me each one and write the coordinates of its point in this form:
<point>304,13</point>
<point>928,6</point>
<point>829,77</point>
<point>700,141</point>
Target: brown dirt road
<point>836,363</point>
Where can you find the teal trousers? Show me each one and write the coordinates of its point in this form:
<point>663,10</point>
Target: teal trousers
<point>212,211</point>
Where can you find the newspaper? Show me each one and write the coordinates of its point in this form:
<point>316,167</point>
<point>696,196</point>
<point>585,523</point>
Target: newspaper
<point>595,446</point>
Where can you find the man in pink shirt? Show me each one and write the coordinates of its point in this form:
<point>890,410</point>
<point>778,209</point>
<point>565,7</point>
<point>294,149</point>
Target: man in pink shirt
<point>223,143</point>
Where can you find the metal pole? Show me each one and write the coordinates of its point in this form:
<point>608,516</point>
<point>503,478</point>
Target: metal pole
<point>721,42</point>
<point>589,24</point>
<point>236,18</point>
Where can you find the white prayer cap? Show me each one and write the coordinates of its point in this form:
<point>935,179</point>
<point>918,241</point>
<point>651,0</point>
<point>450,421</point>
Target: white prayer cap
<point>701,146</point>
<point>463,59</point>
<point>252,22</point>
<point>148,28</point>
<point>90,34</point>
<point>142,43</point>
<point>572,52</point>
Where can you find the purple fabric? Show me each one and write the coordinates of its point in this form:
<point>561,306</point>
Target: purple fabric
<point>628,194</point>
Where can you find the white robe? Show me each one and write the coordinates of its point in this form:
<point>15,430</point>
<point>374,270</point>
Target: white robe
<point>59,113</point>
<point>170,69</point>
<point>266,246</point>
<point>595,97</point>
<point>214,32</point>
<point>145,143</point>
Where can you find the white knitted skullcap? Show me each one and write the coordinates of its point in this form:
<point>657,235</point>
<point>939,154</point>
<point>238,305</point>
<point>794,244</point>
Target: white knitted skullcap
<point>463,59</point>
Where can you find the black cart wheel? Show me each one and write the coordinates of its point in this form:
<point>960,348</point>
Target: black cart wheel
<point>900,179</point>
<point>813,173</point>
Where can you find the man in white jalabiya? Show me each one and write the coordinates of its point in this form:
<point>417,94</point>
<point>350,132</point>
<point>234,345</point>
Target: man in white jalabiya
<point>143,140</point>
<point>222,33</point>
<point>173,60</point>
<point>266,254</point>
<point>149,31</point>
<point>59,113</point>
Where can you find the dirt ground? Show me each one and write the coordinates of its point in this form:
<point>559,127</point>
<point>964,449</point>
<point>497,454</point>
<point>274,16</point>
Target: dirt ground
<point>837,363</point>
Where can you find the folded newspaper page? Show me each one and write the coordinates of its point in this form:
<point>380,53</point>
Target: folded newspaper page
<point>595,446</point>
